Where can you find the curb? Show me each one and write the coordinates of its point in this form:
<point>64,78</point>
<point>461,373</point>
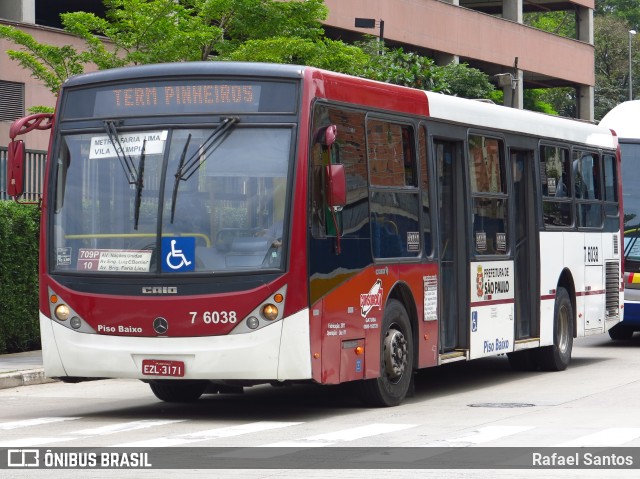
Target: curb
<point>27,377</point>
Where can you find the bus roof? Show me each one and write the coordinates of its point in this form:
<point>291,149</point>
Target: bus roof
<point>483,114</point>
<point>624,119</point>
<point>473,113</point>
<point>187,68</point>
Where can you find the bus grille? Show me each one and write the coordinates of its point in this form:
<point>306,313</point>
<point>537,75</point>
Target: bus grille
<point>615,244</point>
<point>612,296</point>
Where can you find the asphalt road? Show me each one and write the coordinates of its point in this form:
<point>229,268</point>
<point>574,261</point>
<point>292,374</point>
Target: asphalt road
<point>480,404</point>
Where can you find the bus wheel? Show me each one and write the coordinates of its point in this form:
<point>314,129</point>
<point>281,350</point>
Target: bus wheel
<point>620,332</point>
<point>558,356</point>
<point>396,360</point>
<point>178,390</point>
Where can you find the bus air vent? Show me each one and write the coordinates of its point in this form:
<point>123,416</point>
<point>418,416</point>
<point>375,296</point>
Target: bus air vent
<point>612,295</point>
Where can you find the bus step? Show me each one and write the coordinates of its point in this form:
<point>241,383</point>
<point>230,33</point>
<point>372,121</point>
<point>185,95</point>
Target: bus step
<point>453,356</point>
<point>528,343</point>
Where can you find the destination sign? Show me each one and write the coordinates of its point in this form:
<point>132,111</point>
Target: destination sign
<point>150,97</point>
<point>174,97</point>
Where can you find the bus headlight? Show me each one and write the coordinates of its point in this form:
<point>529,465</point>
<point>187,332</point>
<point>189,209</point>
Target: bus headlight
<point>62,312</point>
<point>270,312</point>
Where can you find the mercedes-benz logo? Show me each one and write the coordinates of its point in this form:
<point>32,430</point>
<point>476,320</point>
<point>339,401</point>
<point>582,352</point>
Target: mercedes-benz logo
<point>160,325</point>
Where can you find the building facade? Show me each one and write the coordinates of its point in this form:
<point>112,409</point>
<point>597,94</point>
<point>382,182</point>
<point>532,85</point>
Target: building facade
<point>486,34</point>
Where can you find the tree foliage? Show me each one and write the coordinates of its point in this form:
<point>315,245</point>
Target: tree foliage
<point>410,69</point>
<point>561,23</point>
<point>626,10</point>
<point>155,31</point>
<point>48,63</point>
<point>612,63</point>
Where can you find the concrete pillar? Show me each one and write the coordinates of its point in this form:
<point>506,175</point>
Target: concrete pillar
<point>18,10</point>
<point>512,89</point>
<point>442,58</point>
<point>584,24</point>
<point>585,102</point>
<point>512,10</point>
<point>585,93</point>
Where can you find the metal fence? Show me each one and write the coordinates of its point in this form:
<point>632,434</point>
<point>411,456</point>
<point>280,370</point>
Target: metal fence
<point>34,174</point>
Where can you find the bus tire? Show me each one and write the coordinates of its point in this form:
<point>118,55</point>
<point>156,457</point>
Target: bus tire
<point>396,360</point>
<point>178,390</point>
<point>620,332</point>
<point>558,356</point>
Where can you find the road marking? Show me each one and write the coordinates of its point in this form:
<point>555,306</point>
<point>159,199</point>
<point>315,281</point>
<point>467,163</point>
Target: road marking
<point>479,436</point>
<point>216,433</point>
<point>125,427</point>
<point>614,436</point>
<point>33,441</point>
<point>6,426</point>
<point>351,434</point>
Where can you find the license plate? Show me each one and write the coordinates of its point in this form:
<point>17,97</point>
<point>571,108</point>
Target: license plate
<point>159,367</point>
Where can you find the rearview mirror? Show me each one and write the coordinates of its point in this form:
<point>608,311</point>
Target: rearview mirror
<point>15,168</point>
<point>336,185</point>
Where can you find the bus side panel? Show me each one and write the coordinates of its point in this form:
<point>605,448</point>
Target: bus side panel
<point>492,308</point>
<point>594,290</point>
<point>552,258</point>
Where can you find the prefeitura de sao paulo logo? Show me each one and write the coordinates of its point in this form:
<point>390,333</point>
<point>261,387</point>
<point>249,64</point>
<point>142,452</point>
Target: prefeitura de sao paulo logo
<point>480,282</point>
<point>372,299</point>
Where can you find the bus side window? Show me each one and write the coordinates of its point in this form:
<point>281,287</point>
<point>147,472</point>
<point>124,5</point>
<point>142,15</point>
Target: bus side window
<point>588,195</point>
<point>348,150</point>
<point>611,210</point>
<point>486,160</point>
<point>394,194</point>
<point>556,184</point>
<point>423,162</point>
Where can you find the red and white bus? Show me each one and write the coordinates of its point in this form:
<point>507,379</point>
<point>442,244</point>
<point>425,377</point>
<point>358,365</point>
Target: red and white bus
<point>207,225</point>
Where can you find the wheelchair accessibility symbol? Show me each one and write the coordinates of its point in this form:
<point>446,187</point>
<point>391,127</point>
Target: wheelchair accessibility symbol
<point>178,254</point>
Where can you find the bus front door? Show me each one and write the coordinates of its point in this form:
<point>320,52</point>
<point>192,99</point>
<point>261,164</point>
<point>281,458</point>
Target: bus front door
<point>454,297</point>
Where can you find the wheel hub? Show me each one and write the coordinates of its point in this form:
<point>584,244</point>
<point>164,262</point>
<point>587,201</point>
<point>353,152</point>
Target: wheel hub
<point>395,354</point>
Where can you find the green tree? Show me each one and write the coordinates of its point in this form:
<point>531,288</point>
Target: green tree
<point>154,31</point>
<point>50,64</point>
<point>410,69</point>
<point>627,10</point>
<point>611,35</point>
<point>561,23</point>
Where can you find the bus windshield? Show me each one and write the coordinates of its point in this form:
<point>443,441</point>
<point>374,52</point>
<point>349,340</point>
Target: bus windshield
<point>630,183</point>
<point>171,200</point>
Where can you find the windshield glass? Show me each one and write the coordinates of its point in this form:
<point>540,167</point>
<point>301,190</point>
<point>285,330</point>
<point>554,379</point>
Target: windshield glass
<point>630,184</point>
<point>171,200</point>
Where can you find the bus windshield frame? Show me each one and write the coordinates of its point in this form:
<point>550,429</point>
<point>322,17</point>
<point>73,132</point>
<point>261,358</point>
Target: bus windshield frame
<point>145,196</point>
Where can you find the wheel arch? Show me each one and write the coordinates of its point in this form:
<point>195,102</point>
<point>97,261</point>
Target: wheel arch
<point>402,293</point>
<point>567,282</point>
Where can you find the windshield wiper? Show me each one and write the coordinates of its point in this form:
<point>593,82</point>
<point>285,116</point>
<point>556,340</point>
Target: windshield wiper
<point>139,184</point>
<point>176,183</point>
<point>125,160</point>
<point>187,168</point>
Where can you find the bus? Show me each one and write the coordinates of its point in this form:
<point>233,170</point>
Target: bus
<point>623,120</point>
<point>213,226</point>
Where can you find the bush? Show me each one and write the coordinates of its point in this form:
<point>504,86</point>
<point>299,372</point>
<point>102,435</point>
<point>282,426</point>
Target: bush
<point>19,233</point>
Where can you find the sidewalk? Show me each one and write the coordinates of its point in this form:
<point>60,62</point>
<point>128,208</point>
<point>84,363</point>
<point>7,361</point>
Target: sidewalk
<point>21,369</point>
